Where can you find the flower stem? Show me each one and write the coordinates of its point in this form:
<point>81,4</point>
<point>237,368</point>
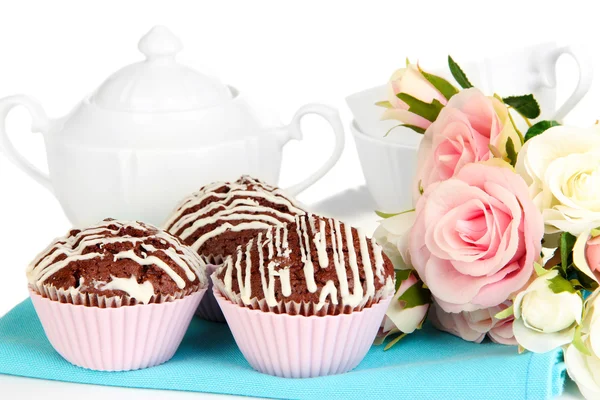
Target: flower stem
<point>521,138</point>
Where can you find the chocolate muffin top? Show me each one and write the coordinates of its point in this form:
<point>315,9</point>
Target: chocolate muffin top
<point>224,215</point>
<point>319,264</point>
<point>130,260</point>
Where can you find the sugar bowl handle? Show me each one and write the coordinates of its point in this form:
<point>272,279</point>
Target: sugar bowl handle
<point>39,123</point>
<point>332,116</point>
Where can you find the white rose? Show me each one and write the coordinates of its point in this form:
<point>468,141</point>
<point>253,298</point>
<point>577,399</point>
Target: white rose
<point>400,316</point>
<point>562,169</point>
<point>545,320</point>
<point>585,369</point>
<point>392,234</point>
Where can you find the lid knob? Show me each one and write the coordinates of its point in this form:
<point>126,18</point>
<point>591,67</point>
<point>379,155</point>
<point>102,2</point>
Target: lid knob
<point>160,42</point>
<point>159,84</point>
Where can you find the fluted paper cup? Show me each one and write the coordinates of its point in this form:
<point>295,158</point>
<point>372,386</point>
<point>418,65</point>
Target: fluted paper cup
<point>116,339</point>
<point>209,308</point>
<point>295,346</point>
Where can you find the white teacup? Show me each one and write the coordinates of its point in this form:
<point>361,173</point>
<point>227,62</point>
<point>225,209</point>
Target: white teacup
<point>389,163</point>
<point>389,169</point>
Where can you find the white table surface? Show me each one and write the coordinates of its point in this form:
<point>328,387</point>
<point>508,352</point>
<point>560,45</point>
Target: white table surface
<point>60,53</point>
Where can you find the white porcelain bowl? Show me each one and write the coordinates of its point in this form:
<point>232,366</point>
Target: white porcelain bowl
<point>389,167</point>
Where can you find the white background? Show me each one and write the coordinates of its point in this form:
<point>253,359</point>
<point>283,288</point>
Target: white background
<point>281,53</point>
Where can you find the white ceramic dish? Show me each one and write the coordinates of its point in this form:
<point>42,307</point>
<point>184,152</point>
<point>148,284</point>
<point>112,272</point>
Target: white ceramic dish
<point>389,169</point>
<point>531,69</point>
<point>154,132</point>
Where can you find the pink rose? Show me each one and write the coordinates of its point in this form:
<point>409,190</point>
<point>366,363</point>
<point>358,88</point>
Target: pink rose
<point>473,326</point>
<point>409,80</point>
<point>476,237</point>
<point>592,253</point>
<point>462,134</point>
<point>586,253</point>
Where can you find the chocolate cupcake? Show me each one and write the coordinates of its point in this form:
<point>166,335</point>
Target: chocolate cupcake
<point>224,215</point>
<point>103,292</point>
<point>221,216</point>
<point>313,280</point>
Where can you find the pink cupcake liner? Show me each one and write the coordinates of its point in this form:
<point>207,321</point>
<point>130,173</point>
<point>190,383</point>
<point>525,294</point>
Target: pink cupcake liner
<point>116,339</point>
<point>209,308</point>
<point>295,346</point>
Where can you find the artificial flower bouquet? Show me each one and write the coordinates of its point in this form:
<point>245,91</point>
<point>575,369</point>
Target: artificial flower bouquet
<point>504,239</point>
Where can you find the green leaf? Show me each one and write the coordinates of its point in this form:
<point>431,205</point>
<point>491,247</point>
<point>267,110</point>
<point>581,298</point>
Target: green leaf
<point>413,127</point>
<point>385,215</point>
<point>510,152</point>
<point>443,86</point>
<point>458,74</point>
<point>595,232</point>
<point>558,284</point>
<point>578,342</point>
<point>429,111</point>
<point>416,295</point>
<point>567,241</point>
<point>505,313</point>
<point>585,281</point>
<point>401,276</point>
<point>525,105</point>
<point>391,129</point>
<point>539,269</point>
<point>576,284</point>
<point>384,104</point>
<point>393,342</point>
<point>538,128</point>
<point>512,121</point>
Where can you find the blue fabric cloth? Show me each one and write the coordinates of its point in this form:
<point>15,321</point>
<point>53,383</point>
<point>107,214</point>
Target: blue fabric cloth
<point>426,365</point>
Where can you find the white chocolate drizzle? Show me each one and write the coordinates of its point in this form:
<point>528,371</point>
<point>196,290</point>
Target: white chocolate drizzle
<point>268,285</point>
<point>272,251</point>
<point>240,202</point>
<point>321,244</point>
<point>366,259</point>
<point>247,288</point>
<point>357,291</point>
<point>151,260</point>
<point>90,244</point>
<point>228,227</point>
<point>309,269</point>
<point>328,291</point>
<point>142,292</point>
<point>284,279</point>
<point>378,253</point>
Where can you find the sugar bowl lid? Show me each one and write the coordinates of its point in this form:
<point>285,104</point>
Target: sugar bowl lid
<point>159,83</point>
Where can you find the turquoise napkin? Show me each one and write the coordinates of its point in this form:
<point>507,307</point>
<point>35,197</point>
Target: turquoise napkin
<point>425,365</point>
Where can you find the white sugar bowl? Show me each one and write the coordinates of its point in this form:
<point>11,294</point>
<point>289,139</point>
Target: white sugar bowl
<point>154,132</point>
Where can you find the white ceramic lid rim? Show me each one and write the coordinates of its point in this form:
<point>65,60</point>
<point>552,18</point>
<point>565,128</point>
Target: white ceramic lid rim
<point>234,95</point>
<point>160,84</point>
